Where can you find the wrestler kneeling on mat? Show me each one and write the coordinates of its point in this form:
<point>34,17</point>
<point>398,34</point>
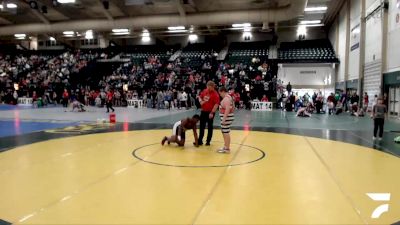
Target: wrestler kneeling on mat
<point>178,131</point>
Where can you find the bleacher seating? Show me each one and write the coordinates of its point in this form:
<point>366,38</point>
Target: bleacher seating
<point>244,52</point>
<point>307,51</point>
<point>195,55</point>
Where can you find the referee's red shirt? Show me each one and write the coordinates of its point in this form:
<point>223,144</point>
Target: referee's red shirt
<point>211,99</point>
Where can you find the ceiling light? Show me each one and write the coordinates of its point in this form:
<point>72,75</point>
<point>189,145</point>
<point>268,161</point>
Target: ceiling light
<point>247,29</point>
<point>176,28</point>
<point>52,39</point>
<point>145,34</point>
<point>177,31</point>
<point>68,33</point>
<point>65,1</point>
<point>89,34</point>
<point>12,6</point>
<point>314,25</point>
<point>304,22</point>
<point>313,9</point>
<point>236,25</point>
<point>1,6</point>
<point>20,35</point>
<point>302,30</point>
<point>247,34</point>
<point>193,37</point>
<point>146,39</point>
<point>120,30</point>
<point>121,33</point>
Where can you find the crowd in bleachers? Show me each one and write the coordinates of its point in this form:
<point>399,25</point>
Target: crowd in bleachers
<point>44,77</point>
<point>177,84</point>
<point>145,73</point>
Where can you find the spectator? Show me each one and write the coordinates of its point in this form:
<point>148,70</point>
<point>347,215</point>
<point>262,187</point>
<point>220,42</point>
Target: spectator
<point>365,102</point>
<point>109,101</point>
<point>65,98</point>
<point>289,88</point>
<point>184,99</point>
<point>264,99</point>
<point>378,114</point>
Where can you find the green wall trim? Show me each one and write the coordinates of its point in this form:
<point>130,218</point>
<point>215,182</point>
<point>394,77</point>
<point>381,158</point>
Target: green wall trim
<point>392,78</point>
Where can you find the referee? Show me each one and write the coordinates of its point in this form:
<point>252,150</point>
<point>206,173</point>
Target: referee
<point>209,101</point>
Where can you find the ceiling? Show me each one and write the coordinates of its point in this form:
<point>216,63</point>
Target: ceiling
<point>117,9</point>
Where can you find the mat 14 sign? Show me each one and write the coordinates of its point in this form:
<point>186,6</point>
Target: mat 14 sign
<point>25,101</point>
<point>261,106</point>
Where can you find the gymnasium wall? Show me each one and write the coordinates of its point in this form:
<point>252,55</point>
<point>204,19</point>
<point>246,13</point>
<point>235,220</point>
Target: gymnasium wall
<point>354,48</point>
<point>307,75</point>
<point>373,37</point>
<point>290,34</point>
<point>373,48</point>
<point>238,37</point>
<point>341,42</point>
<point>332,36</point>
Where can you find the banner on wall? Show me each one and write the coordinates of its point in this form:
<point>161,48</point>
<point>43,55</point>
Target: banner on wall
<point>395,16</point>
<point>398,13</point>
<point>355,37</point>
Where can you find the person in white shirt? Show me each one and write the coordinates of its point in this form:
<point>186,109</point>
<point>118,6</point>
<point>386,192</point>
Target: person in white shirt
<point>184,98</point>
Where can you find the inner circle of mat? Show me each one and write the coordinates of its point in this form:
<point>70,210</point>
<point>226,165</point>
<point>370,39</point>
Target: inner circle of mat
<point>136,154</point>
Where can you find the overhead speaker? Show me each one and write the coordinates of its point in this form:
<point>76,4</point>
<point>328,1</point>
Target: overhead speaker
<point>106,4</point>
<point>44,9</point>
<point>33,4</point>
<point>386,4</point>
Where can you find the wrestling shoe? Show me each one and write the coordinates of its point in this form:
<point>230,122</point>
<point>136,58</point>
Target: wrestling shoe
<point>224,150</point>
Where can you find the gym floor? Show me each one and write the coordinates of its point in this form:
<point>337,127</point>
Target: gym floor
<point>62,167</point>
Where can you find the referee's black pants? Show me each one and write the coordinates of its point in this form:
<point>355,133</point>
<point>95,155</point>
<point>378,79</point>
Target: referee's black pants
<point>205,119</point>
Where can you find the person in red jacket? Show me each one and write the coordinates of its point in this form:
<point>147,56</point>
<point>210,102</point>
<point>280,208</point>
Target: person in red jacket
<point>65,98</point>
<point>265,99</point>
<point>109,100</point>
<point>209,101</point>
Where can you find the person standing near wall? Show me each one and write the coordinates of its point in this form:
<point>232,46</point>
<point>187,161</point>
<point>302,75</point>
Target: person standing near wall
<point>365,102</point>
<point>209,101</point>
<point>109,101</point>
<point>289,88</point>
<point>65,97</point>
<point>378,114</point>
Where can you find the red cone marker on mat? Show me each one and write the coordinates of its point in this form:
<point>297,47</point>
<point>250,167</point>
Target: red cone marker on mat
<point>112,118</point>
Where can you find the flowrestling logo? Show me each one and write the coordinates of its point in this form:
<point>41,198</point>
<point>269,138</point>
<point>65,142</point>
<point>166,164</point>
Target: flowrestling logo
<point>380,197</point>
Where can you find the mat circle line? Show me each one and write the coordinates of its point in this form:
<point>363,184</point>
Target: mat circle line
<point>263,155</point>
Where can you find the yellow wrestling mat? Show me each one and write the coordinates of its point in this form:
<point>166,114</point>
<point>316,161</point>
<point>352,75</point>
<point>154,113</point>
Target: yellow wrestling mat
<point>129,178</point>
